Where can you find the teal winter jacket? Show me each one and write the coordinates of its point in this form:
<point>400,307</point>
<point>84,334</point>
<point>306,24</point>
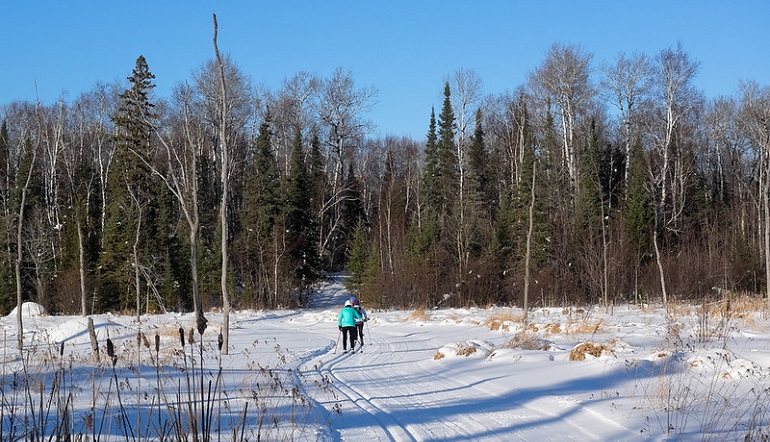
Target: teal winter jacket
<point>348,316</point>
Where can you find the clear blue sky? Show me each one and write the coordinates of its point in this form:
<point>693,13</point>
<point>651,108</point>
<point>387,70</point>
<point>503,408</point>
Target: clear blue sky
<point>404,49</point>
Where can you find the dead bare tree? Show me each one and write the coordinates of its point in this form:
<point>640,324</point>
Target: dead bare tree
<point>31,154</point>
<point>224,177</point>
<point>180,152</point>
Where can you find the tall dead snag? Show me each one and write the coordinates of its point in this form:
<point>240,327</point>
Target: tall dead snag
<point>30,164</point>
<point>530,229</point>
<point>225,168</point>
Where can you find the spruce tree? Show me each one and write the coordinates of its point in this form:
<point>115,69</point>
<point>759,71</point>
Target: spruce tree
<point>353,212</point>
<point>301,226</point>
<point>479,166</point>
<point>448,160</point>
<point>639,213</point>
<point>357,260</point>
<point>131,190</point>
<point>261,198</point>
<point>431,176</point>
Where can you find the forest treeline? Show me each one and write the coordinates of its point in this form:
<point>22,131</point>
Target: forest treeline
<point>611,183</point>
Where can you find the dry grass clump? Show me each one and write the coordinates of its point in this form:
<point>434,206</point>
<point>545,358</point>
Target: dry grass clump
<point>584,327</point>
<point>581,350</point>
<point>465,350</point>
<point>552,329</point>
<point>418,314</point>
<point>528,341</point>
<point>438,356</point>
<point>745,306</point>
<point>501,320</point>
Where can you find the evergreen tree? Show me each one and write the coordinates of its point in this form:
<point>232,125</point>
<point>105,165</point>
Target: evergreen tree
<point>131,191</point>
<point>639,213</point>
<point>209,258</point>
<point>589,193</point>
<point>258,217</point>
<point>357,260</point>
<point>431,176</point>
<point>7,288</point>
<point>479,167</point>
<point>448,161</point>
<point>304,262</point>
<point>353,212</point>
<point>316,175</point>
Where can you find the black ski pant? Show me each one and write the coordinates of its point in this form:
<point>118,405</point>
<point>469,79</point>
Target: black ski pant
<point>360,328</point>
<point>345,332</point>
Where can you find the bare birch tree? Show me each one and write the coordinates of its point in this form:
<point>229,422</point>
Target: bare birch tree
<point>628,83</point>
<point>564,80</point>
<point>26,169</point>
<point>756,120</point>
<point>676,98</point>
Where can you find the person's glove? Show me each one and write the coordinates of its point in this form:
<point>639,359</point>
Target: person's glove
<point>339,327</point>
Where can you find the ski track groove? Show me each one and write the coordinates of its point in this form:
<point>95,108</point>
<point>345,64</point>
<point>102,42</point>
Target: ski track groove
<point>393,429</point>
<point>350,375</point>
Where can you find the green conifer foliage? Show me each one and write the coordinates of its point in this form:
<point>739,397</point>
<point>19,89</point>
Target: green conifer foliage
<point>448,161</point>
<point>7,287</point>
<point>302,228</point>
<point>132,191</point>
<point>357,260</point>
<point>639,213</point>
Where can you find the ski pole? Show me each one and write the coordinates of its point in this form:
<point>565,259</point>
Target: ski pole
<point>338,342</point>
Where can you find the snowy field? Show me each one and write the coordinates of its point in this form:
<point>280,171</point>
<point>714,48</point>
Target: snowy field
<point>583,374</point>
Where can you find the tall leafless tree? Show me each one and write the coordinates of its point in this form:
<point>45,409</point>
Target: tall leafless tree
<point>756,120</point>
<point>675,99</point>
<point>564,79</point>
<point>628,82</point>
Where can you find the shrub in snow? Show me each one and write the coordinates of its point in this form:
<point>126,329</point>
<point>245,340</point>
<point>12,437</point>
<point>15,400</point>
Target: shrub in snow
<point>465,349</point>
<point>589,348</point>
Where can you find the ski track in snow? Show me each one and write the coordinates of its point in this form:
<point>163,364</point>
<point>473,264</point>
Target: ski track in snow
<point>422,399</point>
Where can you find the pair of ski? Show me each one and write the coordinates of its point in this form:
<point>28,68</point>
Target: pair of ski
<point>360,350</point>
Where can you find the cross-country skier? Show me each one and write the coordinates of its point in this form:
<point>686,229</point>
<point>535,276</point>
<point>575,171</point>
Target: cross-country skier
<point>360,321</point>
<point>347,325</point>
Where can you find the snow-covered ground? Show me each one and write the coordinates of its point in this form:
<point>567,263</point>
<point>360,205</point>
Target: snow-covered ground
<point>627,373</point>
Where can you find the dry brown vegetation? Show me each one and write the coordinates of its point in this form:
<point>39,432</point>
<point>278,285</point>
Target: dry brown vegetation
<point>502,320</point>
<point>528,341</point>
<point>465,350</point>
<point>589,348</point>
<point>418,314</point>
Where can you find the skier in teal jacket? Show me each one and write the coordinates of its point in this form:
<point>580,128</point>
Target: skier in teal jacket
<point>347,325</point>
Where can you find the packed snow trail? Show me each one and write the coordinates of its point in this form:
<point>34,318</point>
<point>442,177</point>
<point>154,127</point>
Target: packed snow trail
<point>396,391</point>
